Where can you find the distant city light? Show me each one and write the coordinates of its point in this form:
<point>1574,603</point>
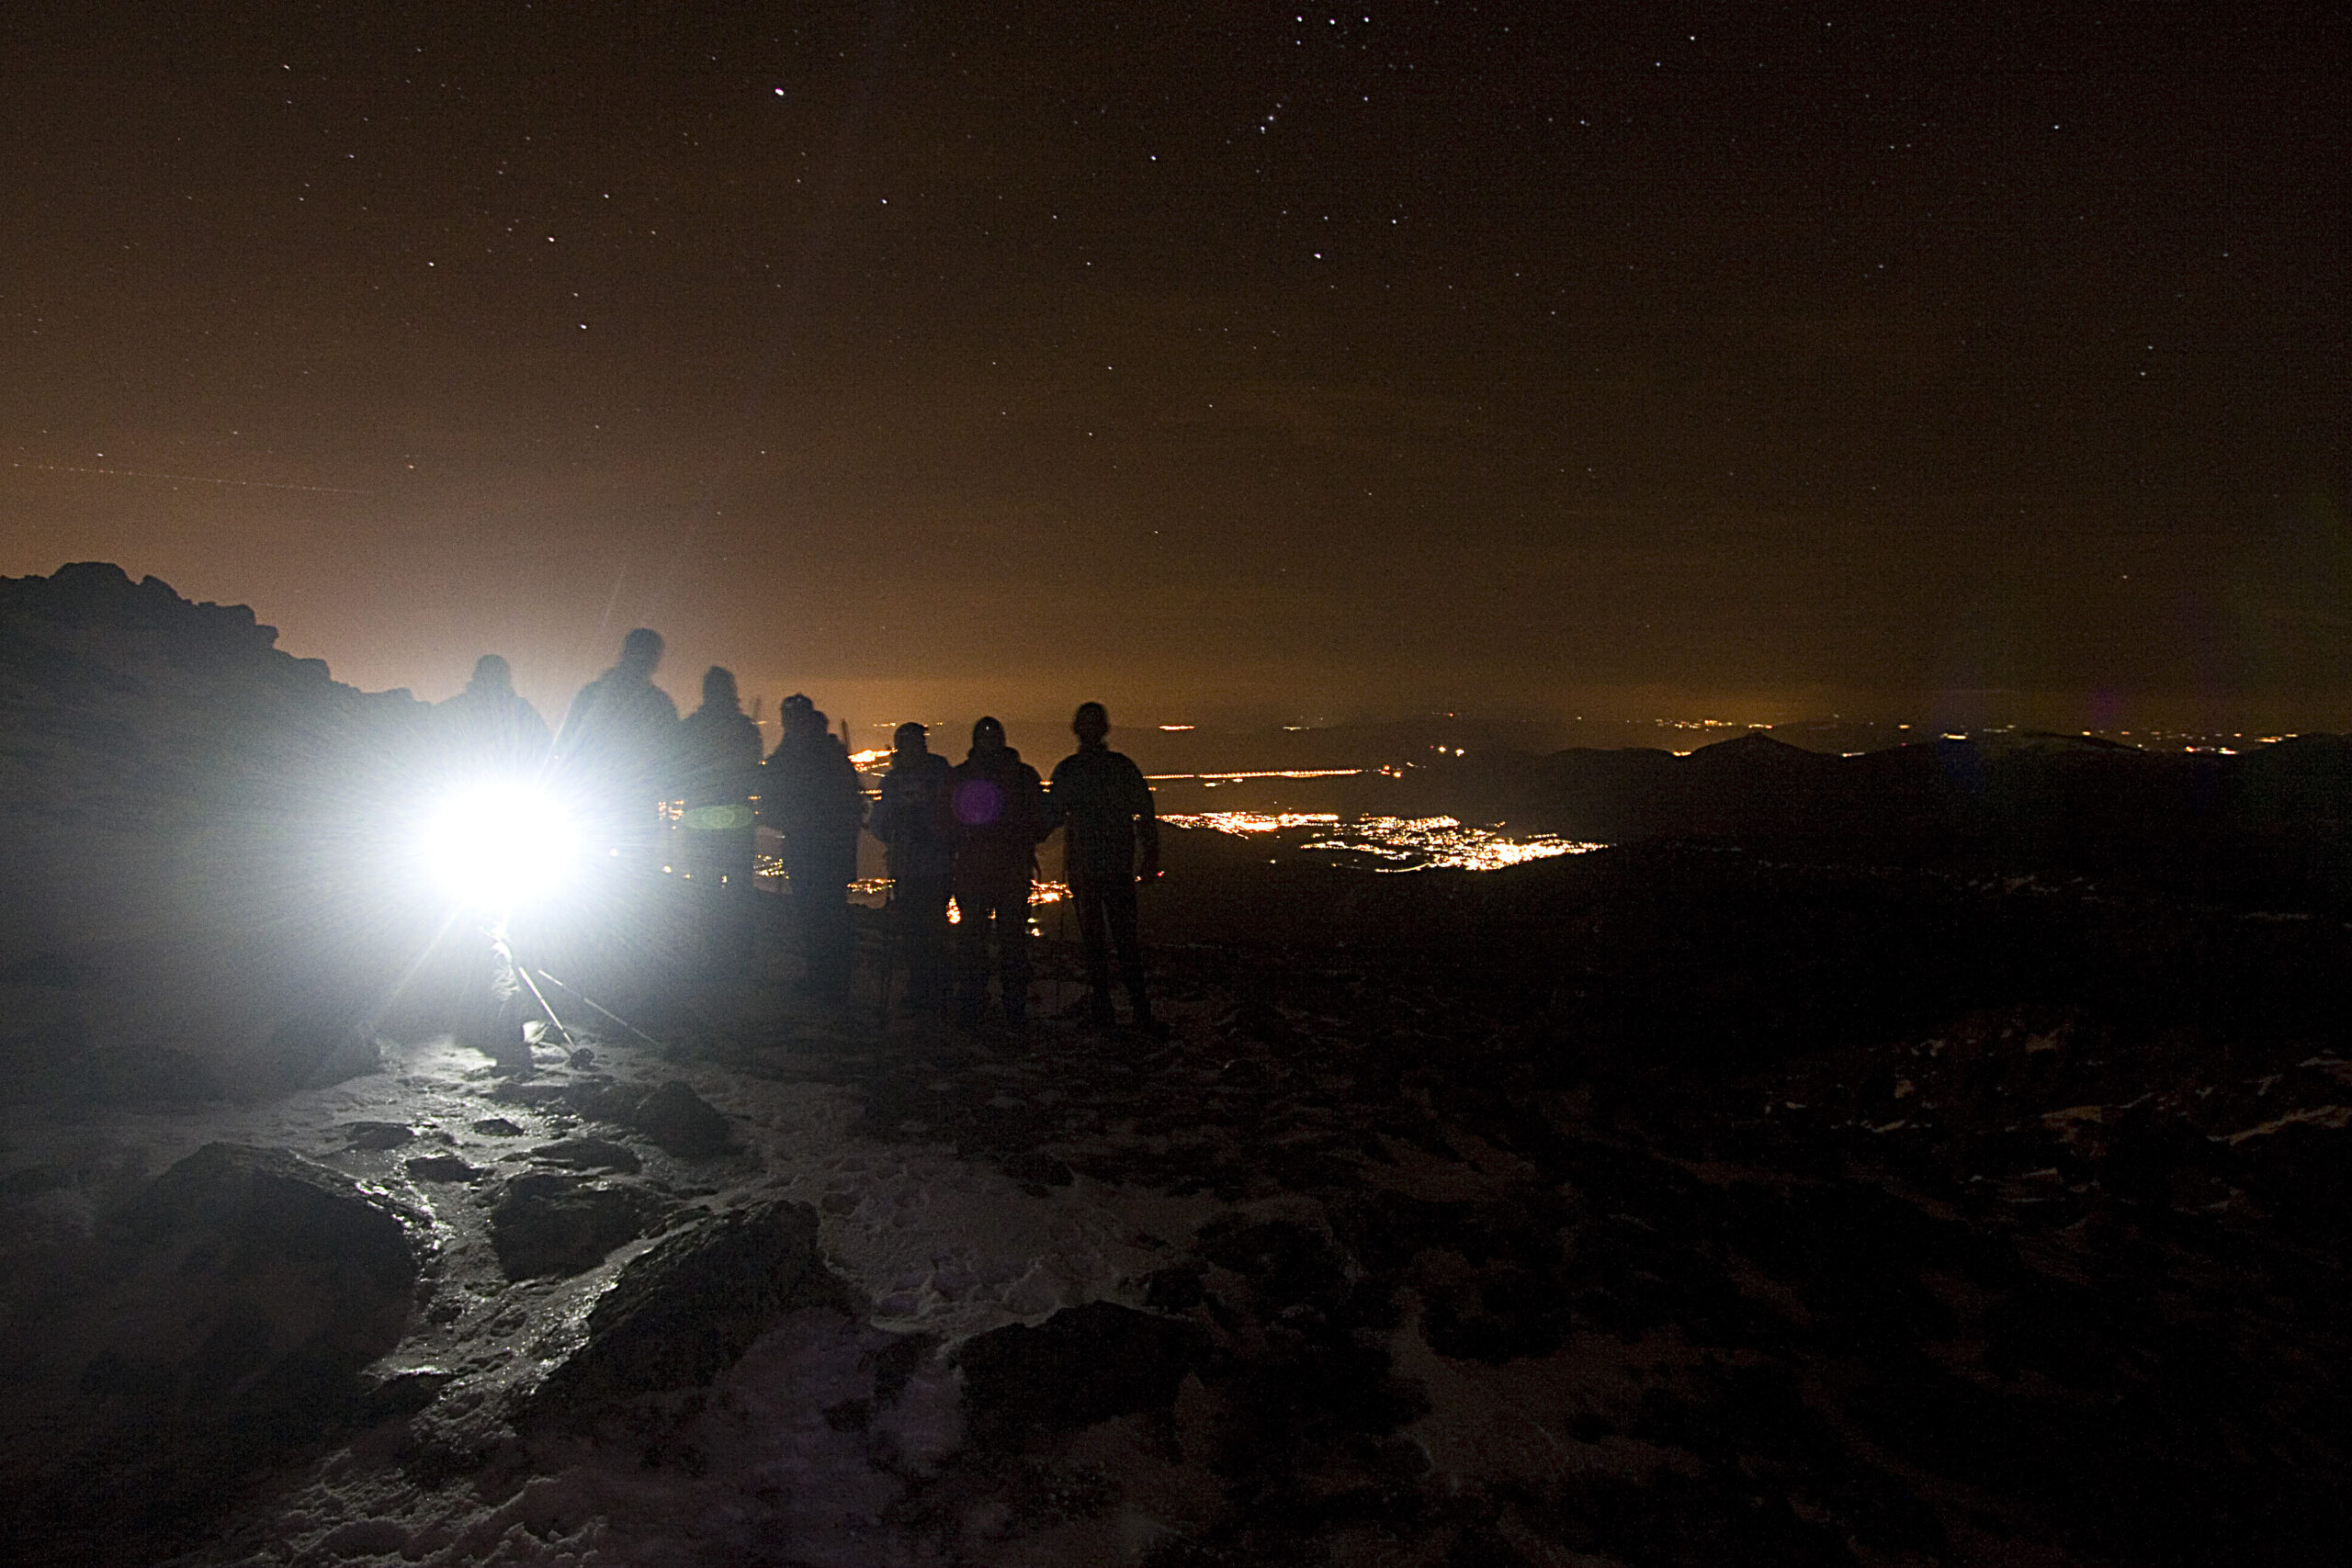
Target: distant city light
<point>1393,843</point>
<point>1241,823</point>
<point>1276,773</point>
<point>1442,843</point>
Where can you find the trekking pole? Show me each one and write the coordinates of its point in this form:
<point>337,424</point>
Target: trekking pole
<point>600,1008</point>
<point>569,1042</point>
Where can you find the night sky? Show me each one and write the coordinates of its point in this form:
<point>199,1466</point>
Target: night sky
<point>1245,361</point>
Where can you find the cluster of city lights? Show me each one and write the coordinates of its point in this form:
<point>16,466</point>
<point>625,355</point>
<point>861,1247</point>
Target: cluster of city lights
<point>1244,822</point>
<point>1392,843</point>
<point>1264,773</point>
<point>1442,843</point>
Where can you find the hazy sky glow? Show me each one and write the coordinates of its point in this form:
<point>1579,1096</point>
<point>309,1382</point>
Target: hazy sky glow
<point>1253,359</point>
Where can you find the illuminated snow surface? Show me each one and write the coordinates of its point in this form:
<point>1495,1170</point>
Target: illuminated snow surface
<point>937,1246</point>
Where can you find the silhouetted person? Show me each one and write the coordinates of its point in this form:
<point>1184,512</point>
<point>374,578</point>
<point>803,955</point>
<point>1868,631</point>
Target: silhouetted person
<point>487,734</point>
<point>719,771</point>
<point>1106,812</point>
<point>810,794</point>
<point>619,744</point>
<point>491,730</point>
<point>999,807</point>
<point>912,821</point>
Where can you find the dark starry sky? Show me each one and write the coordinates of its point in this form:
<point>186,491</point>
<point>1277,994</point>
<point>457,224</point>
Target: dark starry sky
<point>1241,359</point>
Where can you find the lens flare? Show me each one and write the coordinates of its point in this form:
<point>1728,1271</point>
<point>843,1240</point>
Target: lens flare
<point>501,843</point>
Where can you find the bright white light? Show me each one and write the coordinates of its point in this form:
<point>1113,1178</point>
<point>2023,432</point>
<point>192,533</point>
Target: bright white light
<point>500,843</point>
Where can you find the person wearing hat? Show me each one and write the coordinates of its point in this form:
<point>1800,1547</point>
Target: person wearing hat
<point>998,806</point>
<point>913,822</point>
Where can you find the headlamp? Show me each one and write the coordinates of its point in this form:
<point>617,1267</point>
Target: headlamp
<point>500,843</point>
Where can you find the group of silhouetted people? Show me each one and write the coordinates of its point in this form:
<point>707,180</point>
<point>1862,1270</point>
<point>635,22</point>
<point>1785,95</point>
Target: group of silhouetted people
<point>967,832</point>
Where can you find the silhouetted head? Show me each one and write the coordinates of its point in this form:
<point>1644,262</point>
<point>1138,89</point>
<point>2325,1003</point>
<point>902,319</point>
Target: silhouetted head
<point>1091,724</point>
<point>988,735</point>
<point>642,651</point>
<point>718,689</point>
<point>910,740</point>
<point>492,674</point>
<point>797,714</point>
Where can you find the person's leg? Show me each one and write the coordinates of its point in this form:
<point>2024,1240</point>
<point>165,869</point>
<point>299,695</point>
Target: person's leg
<point>838,953</point>
<point>497,1029</point>
<point>1086,899</point>
<point>1119,914</point>
<point>971,959</point>
<point>924,903</point>
<point>733,896</point>
<point>1013,953</point>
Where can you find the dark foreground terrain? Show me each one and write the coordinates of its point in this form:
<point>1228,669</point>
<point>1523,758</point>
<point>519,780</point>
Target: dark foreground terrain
<point>1663,1206</point>
<point>1893,1161</point>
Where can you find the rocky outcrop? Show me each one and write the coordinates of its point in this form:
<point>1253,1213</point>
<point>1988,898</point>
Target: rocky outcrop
<point>681,1122</point>
<point>688,1308</point>
<point>226,1318</point>
<point>1082,1365</point>
<point>545,1225</point>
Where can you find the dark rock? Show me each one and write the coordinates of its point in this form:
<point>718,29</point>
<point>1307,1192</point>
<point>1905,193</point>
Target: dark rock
<point>589,1153</point>
<point>681,1121</point>
<point>690,1305</point>
<point>547,1223</point>
<point>1286,1262</point>
<point>1175,1287</point>
<point>1037,1170</point>
<point>378,1135</point>
<point>265,1205</point>
<point>601,1099</point>
<point>238,1297</point>
<point>33,1181</point>
<point>406,1392</point>
<point>442,1167</point>
<point>497,1127</point>
<point>1082,1365</point>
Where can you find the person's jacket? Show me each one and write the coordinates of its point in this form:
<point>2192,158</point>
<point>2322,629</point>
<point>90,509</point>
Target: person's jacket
<point>912,819</point>
<point>621,735</point>
<point>491,730</point>
<point>999,806</point>
<point>718,766</point>
<point>810,793</point>
<point>1105,808</point>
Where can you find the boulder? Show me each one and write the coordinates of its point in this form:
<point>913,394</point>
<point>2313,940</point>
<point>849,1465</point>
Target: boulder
<point>681,1121</point>
<point>1081,1365</point>
<point>226,1320</point>
<point>588,1154</point>
<point>546,1224</point>
<point>378,1135</point>
<point>689,1306</point>
<point>231,1209</point>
